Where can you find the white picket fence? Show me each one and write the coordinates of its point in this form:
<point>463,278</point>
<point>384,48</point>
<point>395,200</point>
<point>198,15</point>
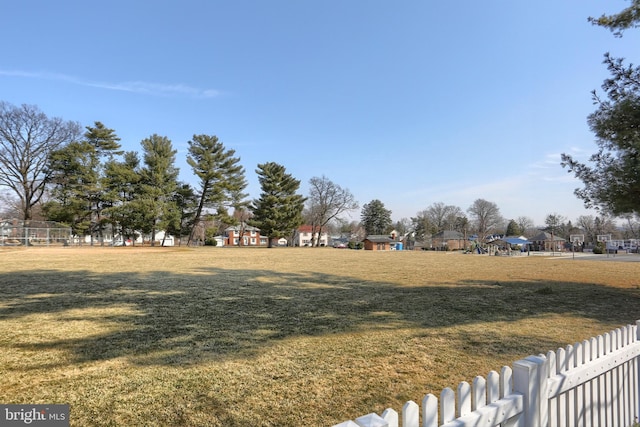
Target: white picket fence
<point>592,383</point>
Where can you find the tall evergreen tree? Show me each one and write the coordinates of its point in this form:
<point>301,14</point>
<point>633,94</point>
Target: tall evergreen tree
<point>77,169</point>
<point>105,145</point>
<point>222,178</point>
<point>278,210</point>
<point>103,139</point>
<point>158,184</point>
<point>122,187</point>
<point>186,202</point>
<point>612,178</point>
<point>73,174</point>
<point>376,219</point>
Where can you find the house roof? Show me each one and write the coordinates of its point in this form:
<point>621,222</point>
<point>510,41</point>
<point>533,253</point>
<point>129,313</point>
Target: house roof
<point>237,228</point>
<point>379,238</point>
<point>305,228</point>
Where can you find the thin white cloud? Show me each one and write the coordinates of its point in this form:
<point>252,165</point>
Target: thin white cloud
<point>550,161</point>
<point>141,87</point>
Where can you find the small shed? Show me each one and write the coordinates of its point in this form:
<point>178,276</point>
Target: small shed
<point>375,242</point>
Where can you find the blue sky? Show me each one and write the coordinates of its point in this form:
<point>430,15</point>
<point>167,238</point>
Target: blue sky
<point>410,102</point>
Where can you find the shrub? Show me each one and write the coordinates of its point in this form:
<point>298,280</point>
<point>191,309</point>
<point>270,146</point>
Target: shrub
<point>355,245</point>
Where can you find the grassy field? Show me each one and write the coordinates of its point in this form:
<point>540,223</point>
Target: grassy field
<point>281,337</point>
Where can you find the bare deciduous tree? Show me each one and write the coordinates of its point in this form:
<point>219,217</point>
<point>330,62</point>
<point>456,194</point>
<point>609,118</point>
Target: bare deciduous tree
<point>526,224</point>
<point>327,201</point>
<point>485,217</point>
<point>27,137</point>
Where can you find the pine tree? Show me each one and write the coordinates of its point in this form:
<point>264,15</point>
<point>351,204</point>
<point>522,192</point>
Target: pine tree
<point>612,177</point>
<point>376,219</point>
<point>222,179</point>
<point>278,211</point>
<point>158,184</point>
<point>513,229</point>
<point>72,175</point>
<point>122,186</point>
<point>77,173</point>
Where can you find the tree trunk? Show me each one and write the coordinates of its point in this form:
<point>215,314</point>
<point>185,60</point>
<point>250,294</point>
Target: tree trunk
<point>313,235</point>
<point>319,236</point>
<point>196,219</point>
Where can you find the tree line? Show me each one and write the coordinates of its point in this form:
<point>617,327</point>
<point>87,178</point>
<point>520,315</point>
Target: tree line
<point>87,182</point>
<point>483,219</point>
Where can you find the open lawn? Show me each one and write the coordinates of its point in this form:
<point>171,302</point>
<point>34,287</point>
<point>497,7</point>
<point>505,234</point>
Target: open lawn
<point>281,337</point>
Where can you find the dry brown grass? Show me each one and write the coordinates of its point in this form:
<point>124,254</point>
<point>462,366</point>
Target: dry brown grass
<point>281,337</point>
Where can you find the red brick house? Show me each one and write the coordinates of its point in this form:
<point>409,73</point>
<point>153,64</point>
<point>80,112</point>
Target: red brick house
<point>244,235</point>
<point>546,242</point>
<point>449,240</point>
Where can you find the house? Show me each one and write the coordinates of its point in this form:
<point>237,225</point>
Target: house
<point>304,236</point>
<point>250,236</point>
<point>164,239</point>
<point>546,242</point>
<point>448,240</point>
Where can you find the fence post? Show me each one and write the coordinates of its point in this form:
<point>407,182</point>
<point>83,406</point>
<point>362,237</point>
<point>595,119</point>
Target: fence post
<point>430,411</point>
<point>391,417</point>
<point>636,365</point>
<point>528,379</point>
<point>410,415</point>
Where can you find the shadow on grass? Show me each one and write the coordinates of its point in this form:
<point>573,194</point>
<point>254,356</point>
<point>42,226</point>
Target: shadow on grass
<point>160,318</point>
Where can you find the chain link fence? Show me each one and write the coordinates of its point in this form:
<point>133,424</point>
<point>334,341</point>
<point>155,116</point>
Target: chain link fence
<point>15,232</point>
